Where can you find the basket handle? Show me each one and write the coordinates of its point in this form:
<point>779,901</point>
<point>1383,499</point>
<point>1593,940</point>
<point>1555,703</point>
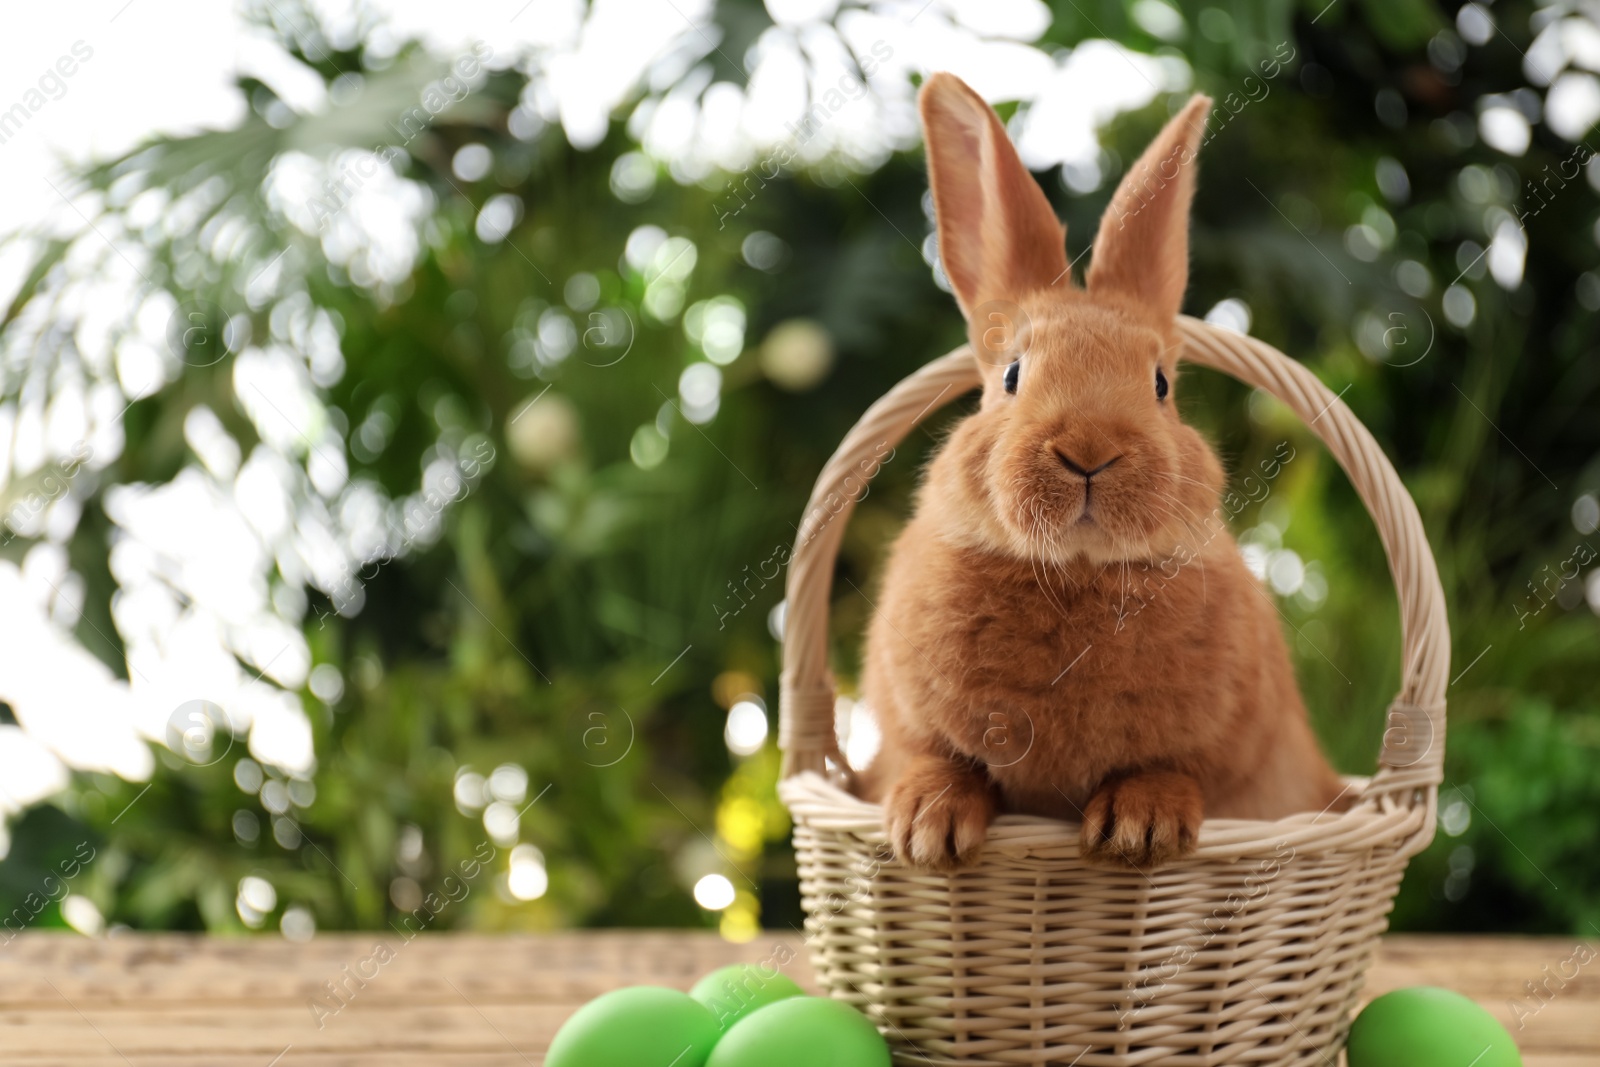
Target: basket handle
<point>1412,756</point>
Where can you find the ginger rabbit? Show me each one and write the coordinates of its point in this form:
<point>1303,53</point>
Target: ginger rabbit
<point>1066,627</point>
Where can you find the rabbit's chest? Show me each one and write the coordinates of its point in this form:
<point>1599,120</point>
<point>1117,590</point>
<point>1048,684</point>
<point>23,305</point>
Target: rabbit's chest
<point>1053,686</point>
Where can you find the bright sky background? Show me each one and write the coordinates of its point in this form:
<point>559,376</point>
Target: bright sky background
<point>159,66</point>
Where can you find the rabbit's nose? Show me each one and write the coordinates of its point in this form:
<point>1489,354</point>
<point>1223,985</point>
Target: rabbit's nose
<point>1079,469</point>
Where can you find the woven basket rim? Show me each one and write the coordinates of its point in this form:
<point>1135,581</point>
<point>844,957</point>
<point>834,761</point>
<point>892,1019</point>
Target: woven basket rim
<point>1376,820</point>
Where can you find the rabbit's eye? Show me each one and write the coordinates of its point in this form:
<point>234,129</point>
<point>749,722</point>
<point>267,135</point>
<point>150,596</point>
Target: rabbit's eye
<point>1013,371</point>
<point>1161,384</point>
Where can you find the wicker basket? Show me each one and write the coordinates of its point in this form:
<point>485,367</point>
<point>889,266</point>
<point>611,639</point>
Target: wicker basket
<point>1252,950</point>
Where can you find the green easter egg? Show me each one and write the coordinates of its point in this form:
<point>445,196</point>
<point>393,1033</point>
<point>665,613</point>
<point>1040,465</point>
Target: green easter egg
<point>640,1026</point>
<point>802,1032</point>
<point>1425,1026</point>
<point>733,992</point>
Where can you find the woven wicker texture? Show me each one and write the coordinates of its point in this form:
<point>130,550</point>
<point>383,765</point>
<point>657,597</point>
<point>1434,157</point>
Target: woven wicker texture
<point>1252,950</point>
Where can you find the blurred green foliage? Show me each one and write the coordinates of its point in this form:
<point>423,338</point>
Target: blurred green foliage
<point>574,608</point>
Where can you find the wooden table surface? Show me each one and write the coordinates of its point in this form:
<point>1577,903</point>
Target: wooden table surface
<point>494,1001</point>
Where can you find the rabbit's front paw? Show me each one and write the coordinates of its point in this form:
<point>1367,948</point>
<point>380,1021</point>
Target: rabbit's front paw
<point>938,814</point>
<point>1142,820</point>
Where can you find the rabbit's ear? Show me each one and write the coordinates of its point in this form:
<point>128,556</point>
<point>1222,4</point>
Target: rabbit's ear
<point>1142,249</point>
<point>998,236</point>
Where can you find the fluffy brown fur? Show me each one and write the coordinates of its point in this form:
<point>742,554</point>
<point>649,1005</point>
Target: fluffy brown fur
<point>1084,646</point>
